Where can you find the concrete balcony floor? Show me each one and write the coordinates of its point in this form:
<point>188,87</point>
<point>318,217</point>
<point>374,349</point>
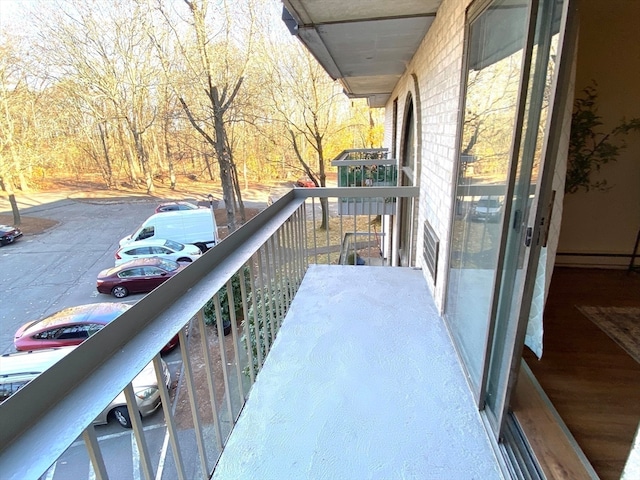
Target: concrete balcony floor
<point>362,383</point>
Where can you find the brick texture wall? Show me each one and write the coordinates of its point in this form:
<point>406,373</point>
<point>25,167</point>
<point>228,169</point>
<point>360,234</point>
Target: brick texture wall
<point>437,66</point>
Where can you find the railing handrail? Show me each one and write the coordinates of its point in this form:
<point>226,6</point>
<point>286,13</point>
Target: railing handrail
<point>46,416</point>
<point>356,192</point>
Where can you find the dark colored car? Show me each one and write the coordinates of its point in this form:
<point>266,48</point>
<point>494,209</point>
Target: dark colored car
<point>8,234</point>
<point>173,206</point>
<point>136,276</point>
<point>71,326</point>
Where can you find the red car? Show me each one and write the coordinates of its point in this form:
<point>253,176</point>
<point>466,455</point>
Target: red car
<point>305,182</point>
<point>71,326</point>
<point>136,276</point>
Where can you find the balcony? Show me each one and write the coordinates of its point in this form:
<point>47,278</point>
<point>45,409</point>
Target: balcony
<point>366,168</point>
<point>330,371</point>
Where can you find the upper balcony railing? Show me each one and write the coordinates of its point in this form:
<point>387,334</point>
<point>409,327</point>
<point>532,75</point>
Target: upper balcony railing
<point>249,279</point>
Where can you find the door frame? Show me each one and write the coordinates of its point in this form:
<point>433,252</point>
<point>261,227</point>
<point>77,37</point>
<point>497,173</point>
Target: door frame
<point>408,169</point>
<point>538,221</point>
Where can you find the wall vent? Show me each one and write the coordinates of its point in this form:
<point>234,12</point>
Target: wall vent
<point>431,245</point>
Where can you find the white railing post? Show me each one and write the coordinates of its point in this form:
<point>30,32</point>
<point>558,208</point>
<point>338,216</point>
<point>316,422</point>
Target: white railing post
<point>172,430</point>
<point>193,402</point>
<point>136,423</point>
<point>95,454</point>
<point>204,346</point>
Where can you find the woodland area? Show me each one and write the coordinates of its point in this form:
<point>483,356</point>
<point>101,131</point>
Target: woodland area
<point>139,93</point>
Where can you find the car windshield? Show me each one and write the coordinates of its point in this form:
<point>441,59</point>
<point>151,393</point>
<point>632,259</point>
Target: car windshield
<point>146,232</point>
<point>168,265</point>
<point>174,245</point>
<point>134,232</point>
<point>168,207</point>
<point>488,203</point>
<point>100,313</point>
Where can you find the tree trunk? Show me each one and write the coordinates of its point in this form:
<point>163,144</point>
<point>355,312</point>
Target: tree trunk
<point>324,204</point>
<point>14,208</point>
<point>144,161</point>
<point>167,150</point>
<point>19,171</point>
<point>133,176</point>
<point>227,193</point>
<point>172,176</point>
<point>236,184</point>
<point>226,176</point>
<point>207,163</point>
<point>107,158</point>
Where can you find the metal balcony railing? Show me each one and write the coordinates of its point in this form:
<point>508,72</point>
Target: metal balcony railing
<point>248,281</point>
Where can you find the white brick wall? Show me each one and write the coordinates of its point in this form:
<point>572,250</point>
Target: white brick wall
<point>437,65</point>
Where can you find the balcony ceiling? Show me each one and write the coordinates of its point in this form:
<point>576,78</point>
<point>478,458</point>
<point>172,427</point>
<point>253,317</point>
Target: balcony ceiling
<point>366,44</point>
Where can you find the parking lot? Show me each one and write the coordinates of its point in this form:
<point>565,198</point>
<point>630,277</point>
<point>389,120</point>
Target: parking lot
<point>44,273</point>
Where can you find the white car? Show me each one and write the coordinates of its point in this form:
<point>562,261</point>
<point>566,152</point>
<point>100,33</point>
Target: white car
<point>166,249</point>
<point>18,369</point>
<point>488,209</point>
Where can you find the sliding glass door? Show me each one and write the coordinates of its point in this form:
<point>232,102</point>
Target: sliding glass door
<point>495,45</point>
<point>510,64</point>
<point>514,295</point>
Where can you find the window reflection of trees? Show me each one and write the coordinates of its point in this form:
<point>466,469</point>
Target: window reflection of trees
<point>488,126</point>
<point>491,99</point>
<point>485,153</point>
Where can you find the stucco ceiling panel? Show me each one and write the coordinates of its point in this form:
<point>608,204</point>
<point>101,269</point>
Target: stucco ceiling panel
<point>378,47</point>
<point>329,11</point>
<point>367,44</point>
<point>366,86</point>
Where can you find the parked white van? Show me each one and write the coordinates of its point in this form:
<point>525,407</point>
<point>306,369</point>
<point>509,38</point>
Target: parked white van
<point>195,227</point>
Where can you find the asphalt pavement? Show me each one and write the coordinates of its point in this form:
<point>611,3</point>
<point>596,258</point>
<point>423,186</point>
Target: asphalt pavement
<point>41,274</point>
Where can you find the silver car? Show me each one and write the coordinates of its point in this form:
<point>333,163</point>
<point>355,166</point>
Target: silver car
<point>167,249</point>
<point>488,209</point>
<point>17,369</point>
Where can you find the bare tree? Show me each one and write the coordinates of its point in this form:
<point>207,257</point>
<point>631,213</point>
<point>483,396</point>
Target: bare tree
<point>145,87</point>
<point>305,100</point>
<point>104,50</point>
<point>214,61</point>
<point>14,98</point>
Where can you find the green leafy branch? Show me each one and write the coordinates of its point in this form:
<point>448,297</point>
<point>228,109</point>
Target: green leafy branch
<point>209,307</point>
<point>589,148</point>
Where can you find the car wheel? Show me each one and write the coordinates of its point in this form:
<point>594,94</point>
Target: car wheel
<point>186,260</point>
<point>119,291</point>
<point>203,248</point>
<point>121,414</point>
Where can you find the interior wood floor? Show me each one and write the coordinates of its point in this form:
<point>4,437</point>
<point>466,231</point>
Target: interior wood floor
<point>591,381</point>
